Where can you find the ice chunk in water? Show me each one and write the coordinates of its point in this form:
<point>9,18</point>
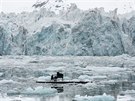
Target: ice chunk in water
<point>17,99</point>
<point>84,77</point>
<point>6,81</point>
<point>43,78</point>
<point>125,98</point>
<point>40,91</point>
<point>13,92</point>
<point>94,98</point>
<point>1,74</point>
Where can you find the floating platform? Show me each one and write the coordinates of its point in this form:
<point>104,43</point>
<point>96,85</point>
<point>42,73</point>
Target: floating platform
<point>63,82</point>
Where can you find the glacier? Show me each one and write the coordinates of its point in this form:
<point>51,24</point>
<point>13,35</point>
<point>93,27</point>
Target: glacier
<point>72,31</point>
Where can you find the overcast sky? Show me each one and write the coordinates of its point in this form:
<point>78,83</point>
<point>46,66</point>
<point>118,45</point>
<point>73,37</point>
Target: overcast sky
<point>25,5</point>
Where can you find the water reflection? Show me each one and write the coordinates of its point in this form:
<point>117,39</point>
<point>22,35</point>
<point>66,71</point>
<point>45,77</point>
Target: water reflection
<point>59,89</point>
<point>60,97</point>
<point>18,99</point>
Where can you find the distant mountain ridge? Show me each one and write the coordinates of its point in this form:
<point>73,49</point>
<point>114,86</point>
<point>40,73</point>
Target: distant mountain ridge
<point>70,32</point>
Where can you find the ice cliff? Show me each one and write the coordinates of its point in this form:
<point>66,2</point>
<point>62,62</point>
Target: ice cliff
<point>70,32</point>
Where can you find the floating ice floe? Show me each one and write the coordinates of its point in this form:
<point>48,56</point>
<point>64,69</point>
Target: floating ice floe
<point>90,85</point>
<point>43,78</point>
<point>129,92</point>
<point>98,78</point>
<point>6,81</point>
<point>17,99</point>
<point>13,92</point>
<point>1,74</point>
<point>126,95</point>
<point>67,78</point>
<point>84,77</point>
<point>94,98</point>
<point>39,91</point>
<point>55,68</point>
<point>109,82</point>
<point>125,98</point>
<point>33,91</point>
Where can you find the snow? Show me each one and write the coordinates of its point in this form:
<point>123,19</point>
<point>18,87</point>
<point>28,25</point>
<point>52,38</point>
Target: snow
<point>94,98</point>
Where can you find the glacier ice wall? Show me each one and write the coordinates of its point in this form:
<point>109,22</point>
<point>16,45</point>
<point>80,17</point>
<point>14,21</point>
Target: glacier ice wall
<point>71,32</point>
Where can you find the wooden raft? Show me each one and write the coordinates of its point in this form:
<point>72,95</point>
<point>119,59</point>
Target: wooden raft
<point>63,82</point>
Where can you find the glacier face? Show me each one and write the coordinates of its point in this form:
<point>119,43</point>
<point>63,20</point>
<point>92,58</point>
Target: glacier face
<point>71,32</point>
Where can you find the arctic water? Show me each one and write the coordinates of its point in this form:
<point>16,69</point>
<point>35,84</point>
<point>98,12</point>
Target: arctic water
<point>110,75</point>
